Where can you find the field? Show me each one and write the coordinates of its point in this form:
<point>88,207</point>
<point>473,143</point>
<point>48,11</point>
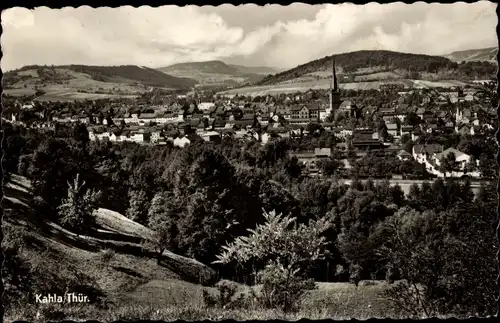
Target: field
<point>292,87</point>
<point>378,76</point>
<point>138,287</point>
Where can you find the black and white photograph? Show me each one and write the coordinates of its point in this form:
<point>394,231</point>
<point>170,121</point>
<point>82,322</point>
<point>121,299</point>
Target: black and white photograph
<point>250,162</point>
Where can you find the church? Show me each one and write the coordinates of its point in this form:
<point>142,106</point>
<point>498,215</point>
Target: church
<point>337,105</point>
<point>335,100</point>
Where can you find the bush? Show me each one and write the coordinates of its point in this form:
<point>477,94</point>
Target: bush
<point>282,288</point>
<point>287,248</point>
<point>223,299</point>
<point>77,209</point>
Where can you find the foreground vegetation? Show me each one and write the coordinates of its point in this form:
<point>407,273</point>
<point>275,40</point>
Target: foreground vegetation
<point>434,247</point>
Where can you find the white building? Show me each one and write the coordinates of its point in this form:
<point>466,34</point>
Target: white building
<point>134,118</point>
<point>155,136</point>
<point>210,136</point>
<point>206,105</point>
<point>462,160</point>
<point>392,129</point>
<point>422,152</point>
<point>324,113</point>
<point>181,142</point>
<point>137,137</point>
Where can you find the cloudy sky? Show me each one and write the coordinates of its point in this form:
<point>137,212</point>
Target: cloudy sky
<point>251,35</point>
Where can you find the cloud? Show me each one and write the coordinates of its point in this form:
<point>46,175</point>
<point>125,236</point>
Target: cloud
<point>167,35</point>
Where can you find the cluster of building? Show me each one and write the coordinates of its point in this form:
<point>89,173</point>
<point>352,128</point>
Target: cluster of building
<point>182,124</point>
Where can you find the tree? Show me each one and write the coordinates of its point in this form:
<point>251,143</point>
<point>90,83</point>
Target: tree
<point>470,166</point>
<point>39,93</point>
<point>287,248</point>
<point>138,206</point>
<point>443,259</point>
<point>357,214</point>
<point>16,271</point>
<point>329,166</point>
<point>351,155</point>
<point>412,119</point>
<point>313,127</point>
<point>76,211</point>
<point>405,138</point>
<point>162,219</point>
<point>449,164</point>
<point>487,167</point>
<point>54,163</point>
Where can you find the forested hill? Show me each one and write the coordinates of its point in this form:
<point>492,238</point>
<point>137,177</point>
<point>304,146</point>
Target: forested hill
<point>118,74</point>
<point>377,61</point>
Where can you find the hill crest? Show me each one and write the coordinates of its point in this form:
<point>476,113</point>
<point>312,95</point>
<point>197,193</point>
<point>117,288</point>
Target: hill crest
<point>217,72</point>
<point>358,65</point>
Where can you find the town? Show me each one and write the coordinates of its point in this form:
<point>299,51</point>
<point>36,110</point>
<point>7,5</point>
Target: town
<point>392,121</point>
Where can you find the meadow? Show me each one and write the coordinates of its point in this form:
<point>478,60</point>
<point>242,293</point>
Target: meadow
<point>303,86</point>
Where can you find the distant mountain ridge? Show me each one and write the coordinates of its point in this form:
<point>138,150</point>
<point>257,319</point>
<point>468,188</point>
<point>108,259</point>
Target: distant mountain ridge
<point>207,67</point>
<point>265,70</point>
<point>483,54</point>
<point>218,72</point>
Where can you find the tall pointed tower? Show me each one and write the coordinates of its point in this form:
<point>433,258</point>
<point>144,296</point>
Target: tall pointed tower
<point>334,91</point>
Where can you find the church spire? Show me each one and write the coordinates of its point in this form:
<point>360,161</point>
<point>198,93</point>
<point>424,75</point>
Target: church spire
<point>334,77</point>
<point>335,100</point>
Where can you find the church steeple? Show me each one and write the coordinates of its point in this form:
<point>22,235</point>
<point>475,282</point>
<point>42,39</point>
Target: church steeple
<point>335,100</point>
<point>334,77</point>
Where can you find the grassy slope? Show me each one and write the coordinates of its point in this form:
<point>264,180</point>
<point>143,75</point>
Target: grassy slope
<point>142,289</point>
<point>128,270</point>
<point>483,54</point>
<point>292,87</point>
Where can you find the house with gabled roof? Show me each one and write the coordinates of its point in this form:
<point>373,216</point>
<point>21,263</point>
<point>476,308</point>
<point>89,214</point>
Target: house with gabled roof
<point>461,158</point>
<point>403,155</point>
<point>284,111</point>
<point>392,129</point>
<point>405,130</point>
<point>219,124</point>
<point>422,152</point>
<point>211,136</point>
<point>465,129</point>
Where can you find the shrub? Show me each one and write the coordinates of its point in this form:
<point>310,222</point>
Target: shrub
<point>282,288</point>
<point>77,209</point>
<point>287,250</point>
